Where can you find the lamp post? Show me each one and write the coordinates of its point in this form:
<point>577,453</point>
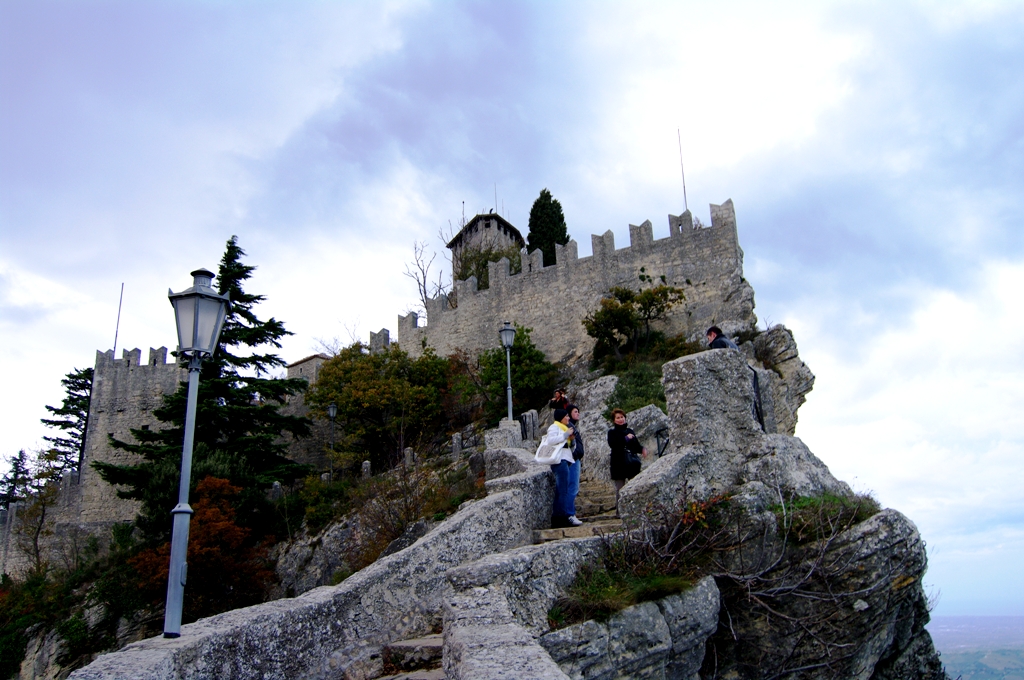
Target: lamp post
<point>508,336</point>
<point>332,411</point>
<point>199,313</point>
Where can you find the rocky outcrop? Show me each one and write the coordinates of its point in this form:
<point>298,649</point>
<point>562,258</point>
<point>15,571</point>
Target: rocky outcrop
<point>846,603</point>
<point>785,380</point>
<point>310,561</point>
<point>654,639</point>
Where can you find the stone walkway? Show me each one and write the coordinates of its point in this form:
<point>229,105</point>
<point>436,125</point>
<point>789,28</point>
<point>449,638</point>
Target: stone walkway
<point>595,505</point>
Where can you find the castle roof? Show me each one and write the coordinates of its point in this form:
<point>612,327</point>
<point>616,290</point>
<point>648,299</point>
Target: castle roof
<point>309,358</point>
<point>500,223</point>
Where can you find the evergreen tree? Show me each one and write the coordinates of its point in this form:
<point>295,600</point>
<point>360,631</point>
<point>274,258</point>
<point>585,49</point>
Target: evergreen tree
<point>533,377</point>
<point>547,226</point>
<point>71,418</point>
<point>14,486</point>
<point>238,421</point>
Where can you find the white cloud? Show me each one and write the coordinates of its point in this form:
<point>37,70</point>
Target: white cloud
<point>931,417</point>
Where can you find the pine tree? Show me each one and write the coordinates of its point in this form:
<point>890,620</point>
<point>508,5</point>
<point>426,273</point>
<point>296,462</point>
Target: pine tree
<point>71,418</point>
<point>547,226</point>
<point>15,485</point>
<point>238,421</point>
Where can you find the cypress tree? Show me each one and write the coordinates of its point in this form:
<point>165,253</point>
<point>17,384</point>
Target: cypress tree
<point>238,421</point>
<point>547,226</point>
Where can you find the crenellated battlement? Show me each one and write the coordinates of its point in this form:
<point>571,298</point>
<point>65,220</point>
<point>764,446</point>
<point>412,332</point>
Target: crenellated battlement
<point>125,392</point>
<point>706,262</point>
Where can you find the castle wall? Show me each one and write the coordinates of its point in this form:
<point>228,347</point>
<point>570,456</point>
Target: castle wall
<point>706,262</point>
<point>124,394</point>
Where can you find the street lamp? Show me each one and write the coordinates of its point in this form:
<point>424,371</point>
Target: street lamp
<point>508,336</point>
<point>199,313</point>
<point>332,411</point>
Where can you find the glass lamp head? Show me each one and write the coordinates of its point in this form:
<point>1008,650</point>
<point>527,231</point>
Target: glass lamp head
<point>199,313</point>
<point>508,335</point>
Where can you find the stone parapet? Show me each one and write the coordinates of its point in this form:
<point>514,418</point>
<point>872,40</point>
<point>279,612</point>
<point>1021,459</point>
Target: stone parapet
<point>707,263</point>
<point>339,631</point>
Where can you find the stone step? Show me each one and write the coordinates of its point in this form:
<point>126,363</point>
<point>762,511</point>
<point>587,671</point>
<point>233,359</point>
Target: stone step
<point>422,674</point>
<point>596,498</point>
<point>600,517</point>
<point>416,653</point>
<point>596,528</point>
<point>586,509</point>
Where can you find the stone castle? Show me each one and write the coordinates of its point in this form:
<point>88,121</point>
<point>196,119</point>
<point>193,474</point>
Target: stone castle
<point>706,262</point>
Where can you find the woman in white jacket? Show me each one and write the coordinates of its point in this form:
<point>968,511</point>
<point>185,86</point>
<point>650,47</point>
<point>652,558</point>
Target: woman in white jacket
<point>563,514</point>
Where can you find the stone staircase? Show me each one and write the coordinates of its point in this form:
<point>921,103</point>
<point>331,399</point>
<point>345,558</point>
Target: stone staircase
<point>595,505</point>
<point>416,659</point>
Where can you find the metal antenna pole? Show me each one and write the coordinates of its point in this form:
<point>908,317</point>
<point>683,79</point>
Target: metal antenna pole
<point>117,327</point>
<point>680,136</point>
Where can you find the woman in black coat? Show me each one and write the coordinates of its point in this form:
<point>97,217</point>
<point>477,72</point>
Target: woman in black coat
<point>620,440</point>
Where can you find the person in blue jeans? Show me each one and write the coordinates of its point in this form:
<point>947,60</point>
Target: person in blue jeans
<point>563,513</point>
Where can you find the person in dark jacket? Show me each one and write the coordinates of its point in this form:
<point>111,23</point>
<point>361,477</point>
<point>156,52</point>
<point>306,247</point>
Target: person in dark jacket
<point>620,440</point>
<point>577,454</point>
<point>559,400</point>
<point>717,340</point>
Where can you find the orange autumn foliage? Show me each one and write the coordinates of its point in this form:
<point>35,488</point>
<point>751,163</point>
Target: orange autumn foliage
<point>224,570</point>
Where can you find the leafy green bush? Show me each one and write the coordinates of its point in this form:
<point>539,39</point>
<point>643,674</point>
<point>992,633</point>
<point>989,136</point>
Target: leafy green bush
<point>638,386</point>
<point>386,401</point>
<point>622,323</point>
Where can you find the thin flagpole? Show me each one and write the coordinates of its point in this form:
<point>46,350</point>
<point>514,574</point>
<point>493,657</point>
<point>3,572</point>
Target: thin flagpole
<point>118,326</point>
<point>680,136</point>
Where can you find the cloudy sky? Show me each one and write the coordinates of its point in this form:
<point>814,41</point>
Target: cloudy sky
<point>875,154</point>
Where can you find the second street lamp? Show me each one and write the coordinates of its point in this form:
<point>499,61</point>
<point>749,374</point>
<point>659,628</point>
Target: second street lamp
<point>332,412</point>
<point>199,313</point>
<point>508,336</point>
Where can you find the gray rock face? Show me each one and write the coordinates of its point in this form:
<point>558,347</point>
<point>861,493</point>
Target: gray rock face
<point>308,562</point>
<point>850,606</point>
<point>663,639</point>
<point>709,397</point>
<point>788,378</point>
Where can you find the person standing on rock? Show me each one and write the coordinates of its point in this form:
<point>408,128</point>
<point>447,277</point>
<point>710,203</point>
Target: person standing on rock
<point>577,454</point>
<point>717,340</point>
<point>563,513</point>
<point>559,400</point>
<point>626,449</point>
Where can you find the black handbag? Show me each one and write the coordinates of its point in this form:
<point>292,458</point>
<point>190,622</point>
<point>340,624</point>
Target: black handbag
<point>633,463</point>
